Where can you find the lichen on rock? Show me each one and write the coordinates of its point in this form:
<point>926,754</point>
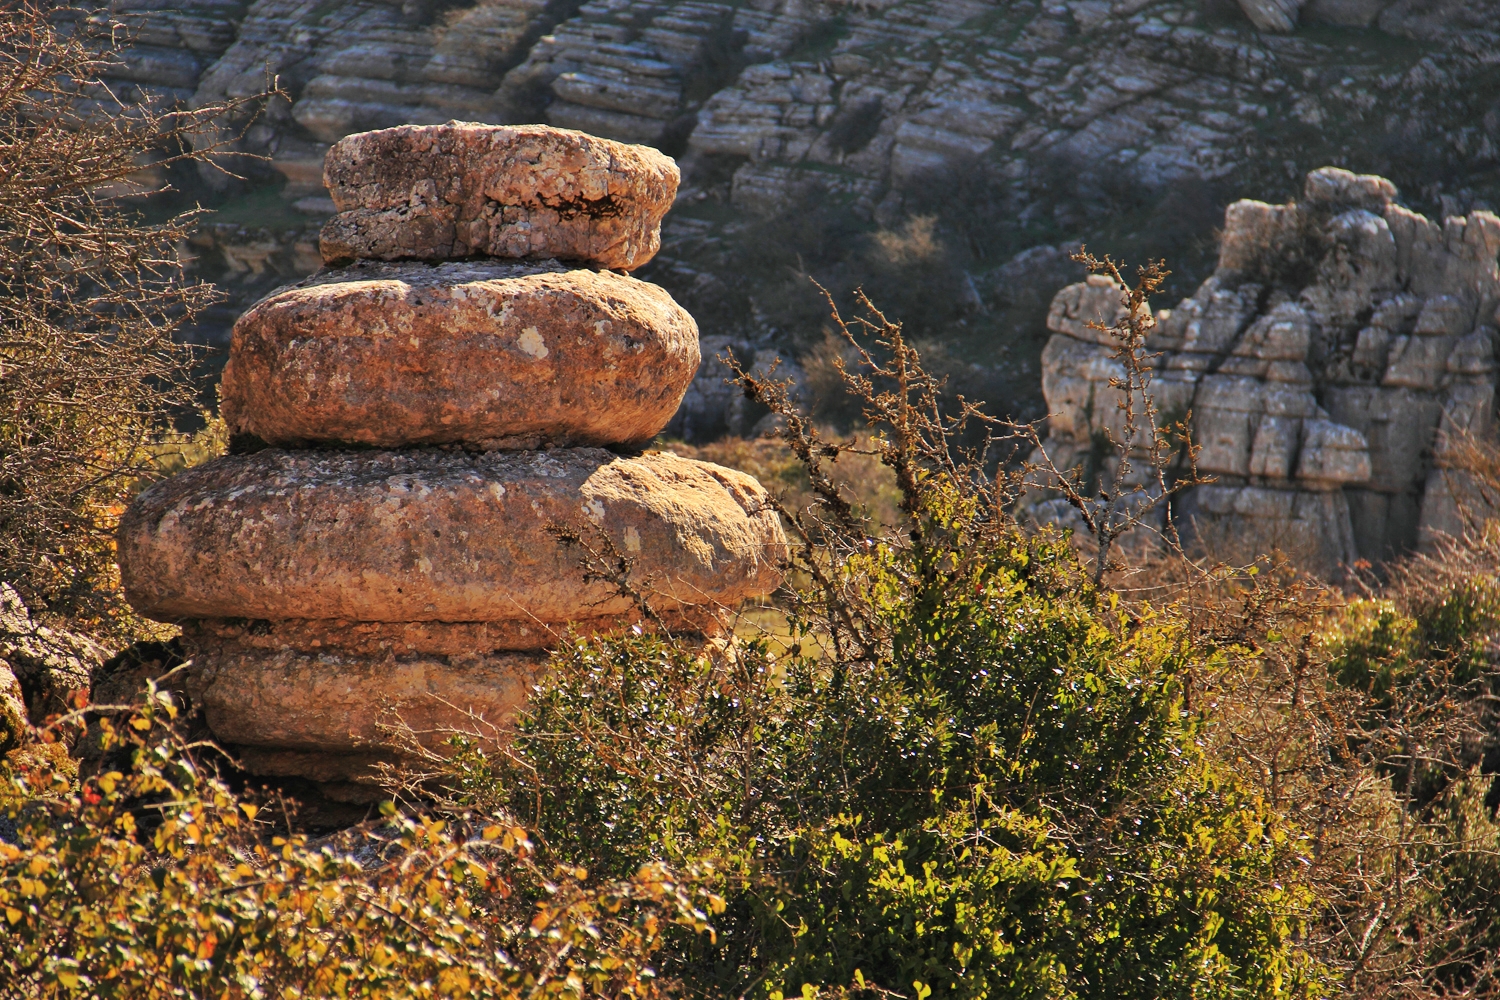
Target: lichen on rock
<point>480,353</point>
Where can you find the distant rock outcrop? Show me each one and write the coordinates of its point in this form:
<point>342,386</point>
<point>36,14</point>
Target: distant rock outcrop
<point>813,92</point>
<point>1342,351</point>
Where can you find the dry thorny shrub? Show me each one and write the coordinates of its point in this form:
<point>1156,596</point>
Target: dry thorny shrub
<point>1365,721</point>
<point>90,294</point>
<point>1149,461</point>
<point>916,441</point>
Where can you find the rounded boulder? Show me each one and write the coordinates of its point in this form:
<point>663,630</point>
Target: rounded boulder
<point>545,537</point>
<point>487,354</point>
<point>441,192</point>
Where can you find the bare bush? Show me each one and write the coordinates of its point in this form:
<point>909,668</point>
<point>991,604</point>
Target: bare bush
<point>90,294</point>
<point>1140,473</point>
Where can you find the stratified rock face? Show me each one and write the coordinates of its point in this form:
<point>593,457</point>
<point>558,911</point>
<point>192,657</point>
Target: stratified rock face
<point>524,191</point>
<point>442,536</point>
<point>1331,365</point>
<point>488,354</point>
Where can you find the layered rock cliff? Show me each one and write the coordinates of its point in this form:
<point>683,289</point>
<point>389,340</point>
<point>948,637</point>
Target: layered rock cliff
<point>1332,369</point>
<point>1020,127</point>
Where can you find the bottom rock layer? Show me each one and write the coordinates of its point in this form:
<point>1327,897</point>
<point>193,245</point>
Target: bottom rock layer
<point>331,716</point>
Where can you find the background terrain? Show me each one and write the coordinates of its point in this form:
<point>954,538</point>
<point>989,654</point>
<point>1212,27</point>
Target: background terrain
<point>946,154</point>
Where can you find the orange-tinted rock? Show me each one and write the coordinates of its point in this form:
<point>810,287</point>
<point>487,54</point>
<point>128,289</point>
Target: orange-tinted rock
<point>487,354</point>
<point>288,699</point>
<point>439,192</point>
<point>15,724</point>
<point>443,536</point>
<point>340,635</point>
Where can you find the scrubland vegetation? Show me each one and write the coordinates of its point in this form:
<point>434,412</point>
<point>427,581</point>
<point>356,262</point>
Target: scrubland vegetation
<point>958,769</point>
<point>951,761</point>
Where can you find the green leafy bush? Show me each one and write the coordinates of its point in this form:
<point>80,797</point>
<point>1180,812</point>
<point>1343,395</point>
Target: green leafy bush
<point>962,771</point>
<point>1008,801</point>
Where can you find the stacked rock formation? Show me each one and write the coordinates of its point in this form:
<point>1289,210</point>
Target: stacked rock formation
<point>1340,355</point>
<point>433,427</point>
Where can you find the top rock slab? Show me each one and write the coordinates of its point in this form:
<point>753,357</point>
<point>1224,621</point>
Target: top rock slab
<point>438,192</point>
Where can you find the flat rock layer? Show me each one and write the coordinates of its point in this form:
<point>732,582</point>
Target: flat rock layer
<point>445,536</point>
<point>433,192</point>
<point>481,353</point>
<point>291,700</point>
<point>379,639</point>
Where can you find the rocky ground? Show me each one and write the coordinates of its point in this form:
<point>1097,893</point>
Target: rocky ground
<point>943,153</point>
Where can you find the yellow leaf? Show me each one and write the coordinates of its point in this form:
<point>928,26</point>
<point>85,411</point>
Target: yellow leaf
<point>140,724</point>
<point>249,810</point>
<point>13,915</point>
<point>491,832</point>
<point>68,979</point>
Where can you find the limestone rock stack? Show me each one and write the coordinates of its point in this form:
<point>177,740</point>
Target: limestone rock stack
<point>431,425</point>
<point>1339,355</point>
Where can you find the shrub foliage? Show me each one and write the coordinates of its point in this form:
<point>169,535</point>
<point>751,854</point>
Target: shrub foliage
<point>160,882</point>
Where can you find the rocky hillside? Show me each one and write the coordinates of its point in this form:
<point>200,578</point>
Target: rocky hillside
<point>943,153</point>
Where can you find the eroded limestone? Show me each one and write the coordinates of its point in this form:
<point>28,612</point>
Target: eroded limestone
<point>486,354</point>
<point>1326,398</point>
<point>433,536</point>
<point>438,192</point>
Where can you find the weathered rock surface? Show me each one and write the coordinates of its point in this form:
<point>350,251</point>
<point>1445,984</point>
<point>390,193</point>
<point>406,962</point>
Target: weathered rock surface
<point>887,90</point>
<point>524,191</point>
<point>50,665</point>
<point>442,536</point>
<point>15,723</point>
<point>1326,396</point>
<point>336,703</point>
<point>487,354</point>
